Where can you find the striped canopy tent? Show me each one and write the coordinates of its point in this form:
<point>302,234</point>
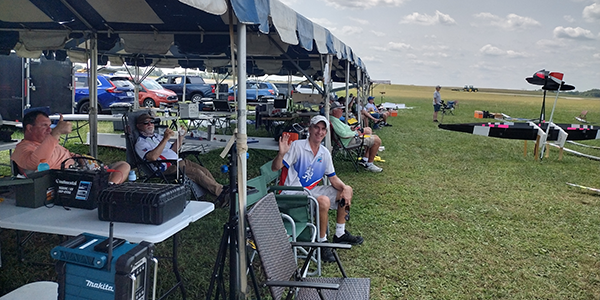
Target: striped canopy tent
<point>264,36</point>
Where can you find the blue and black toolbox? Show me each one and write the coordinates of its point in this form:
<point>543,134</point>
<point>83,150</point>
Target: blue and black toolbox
<point>89,268</point>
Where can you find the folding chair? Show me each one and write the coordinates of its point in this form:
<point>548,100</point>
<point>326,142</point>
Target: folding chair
<point>279,264</point>
<point>150,170</point>
<point>353,152</point>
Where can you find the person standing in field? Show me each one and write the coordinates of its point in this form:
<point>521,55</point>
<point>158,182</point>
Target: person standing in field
<point>437,102</point>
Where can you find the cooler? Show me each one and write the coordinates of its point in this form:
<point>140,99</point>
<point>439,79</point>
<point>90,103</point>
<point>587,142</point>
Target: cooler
<point>147,203</point>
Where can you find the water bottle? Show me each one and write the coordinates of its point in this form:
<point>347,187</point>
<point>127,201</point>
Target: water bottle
<point>43,166</point>
<point>132,177</point>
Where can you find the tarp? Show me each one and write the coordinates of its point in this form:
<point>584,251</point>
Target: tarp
<point>187,33</point>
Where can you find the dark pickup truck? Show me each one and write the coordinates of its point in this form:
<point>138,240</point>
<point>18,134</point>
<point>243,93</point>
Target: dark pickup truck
<point>195,89</point>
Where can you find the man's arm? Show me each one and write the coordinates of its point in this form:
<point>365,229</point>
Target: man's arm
<point>284,147</point>
<point>155,153</point>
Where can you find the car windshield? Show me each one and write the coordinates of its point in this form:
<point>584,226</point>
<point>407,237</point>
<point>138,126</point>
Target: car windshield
<point>151,84</point>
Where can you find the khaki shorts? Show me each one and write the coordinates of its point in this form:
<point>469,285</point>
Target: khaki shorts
<point>369,142</point>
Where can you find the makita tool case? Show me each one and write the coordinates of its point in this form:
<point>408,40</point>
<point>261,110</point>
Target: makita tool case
<point>148,203</point>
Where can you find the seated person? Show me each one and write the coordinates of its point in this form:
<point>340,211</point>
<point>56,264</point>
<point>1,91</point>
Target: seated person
<point>41,142</point>
<point>307,161</point>
<point>348,136</point>
<point>366,117</point>
<point>372,109</point>
<point>153,147</point>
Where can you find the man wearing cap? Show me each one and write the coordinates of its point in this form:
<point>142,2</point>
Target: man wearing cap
<point>152,147</point>
<point>349,136</point>
<point>307,161</point>
<point>437,102</point>
<point>374,111</point>
<point>40,141</point>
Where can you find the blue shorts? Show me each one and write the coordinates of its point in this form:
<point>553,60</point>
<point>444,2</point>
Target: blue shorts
<point>437,107</point>
<point>376,115</point>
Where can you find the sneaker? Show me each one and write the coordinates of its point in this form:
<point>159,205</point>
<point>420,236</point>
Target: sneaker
<point>387,124</point>
<point>375,169</point>
<point>435,121</point>
<point>347,238</point>
<point>327,255</point>
<point>362,163</point>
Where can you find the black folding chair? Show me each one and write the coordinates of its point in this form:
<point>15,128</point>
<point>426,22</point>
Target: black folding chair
<point>353,152</point>
<point>151,170</point>
<point>279,264</point>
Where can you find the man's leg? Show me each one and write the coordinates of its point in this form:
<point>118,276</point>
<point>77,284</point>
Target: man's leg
<point>341,234</point>
<point>122,173</point>
<point>201,176</point>
<point>324,205</point>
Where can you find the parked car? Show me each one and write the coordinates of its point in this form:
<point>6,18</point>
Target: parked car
<point>153,94</point>
<point>110,91</point>
<point>285,91</point>
<point>306,88</point>
<point>195,88</point>
<point>256,91</point>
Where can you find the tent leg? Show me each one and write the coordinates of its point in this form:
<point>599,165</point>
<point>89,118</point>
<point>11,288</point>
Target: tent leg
<point>525,149</point>
<point>537,147</point>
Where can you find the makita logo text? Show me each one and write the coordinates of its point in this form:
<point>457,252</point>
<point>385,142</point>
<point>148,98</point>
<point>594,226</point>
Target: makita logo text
<point>59,181</point>
<point>100,286</point>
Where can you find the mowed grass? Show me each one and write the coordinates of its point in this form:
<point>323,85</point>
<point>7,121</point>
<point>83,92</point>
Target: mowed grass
<point>453,215</point>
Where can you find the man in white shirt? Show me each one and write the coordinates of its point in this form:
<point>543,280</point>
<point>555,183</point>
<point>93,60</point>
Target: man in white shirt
<point>153,147</point>
<point>437,102</point>
<point>307,161</point>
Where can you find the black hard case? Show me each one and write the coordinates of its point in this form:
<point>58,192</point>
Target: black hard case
<point>147,203</point>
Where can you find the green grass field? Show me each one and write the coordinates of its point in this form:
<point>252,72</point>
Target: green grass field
<point>453,215</point>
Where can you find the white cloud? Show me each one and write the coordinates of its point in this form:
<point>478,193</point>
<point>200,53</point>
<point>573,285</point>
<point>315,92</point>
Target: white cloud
<point>398,46</point>
<point>360,21</point>
<point>569,19</point>
<point>490,50</point>
<point>428,63</point>
<point>425,19</point>
<point>511,22</point>
<point>591,13</point>
<point>325,22</point>
<point>577,33</point>
<point>378,33</point>
<point>362,4</point>
<point>550,43</point>
<point>350,30</point>
<point>435,54</point>
<point>371,59</point>
<point>596,56</point>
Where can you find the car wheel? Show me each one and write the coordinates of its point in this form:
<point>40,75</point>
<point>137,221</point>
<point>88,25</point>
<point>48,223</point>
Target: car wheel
<point>84,108</point>
<point>196,98</point>
<point>148,102</point>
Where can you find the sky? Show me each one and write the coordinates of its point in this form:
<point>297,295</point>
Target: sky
<point>489,44</point>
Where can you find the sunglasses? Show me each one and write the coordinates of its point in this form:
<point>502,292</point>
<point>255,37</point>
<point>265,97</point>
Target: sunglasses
<point>146,122</point>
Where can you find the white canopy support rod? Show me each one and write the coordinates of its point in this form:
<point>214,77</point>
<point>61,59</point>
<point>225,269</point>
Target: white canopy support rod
<point>242,149</point>
<point>327,86</point>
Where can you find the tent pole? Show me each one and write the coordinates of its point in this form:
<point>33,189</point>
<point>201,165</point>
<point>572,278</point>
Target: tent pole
<point>242,148</point>
<point>327,88</point>
<point>347,87</point>
<point>93,96</point>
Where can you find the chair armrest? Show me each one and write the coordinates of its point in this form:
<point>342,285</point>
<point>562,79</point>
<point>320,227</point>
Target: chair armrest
<point>286,188</point>
<point>325,245</point>
<point>303,284</point>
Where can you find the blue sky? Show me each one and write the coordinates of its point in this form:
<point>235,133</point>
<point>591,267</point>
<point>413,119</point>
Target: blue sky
<point>494,44</point>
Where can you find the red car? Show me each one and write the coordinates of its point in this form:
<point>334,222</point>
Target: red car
<point>153,94</point>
